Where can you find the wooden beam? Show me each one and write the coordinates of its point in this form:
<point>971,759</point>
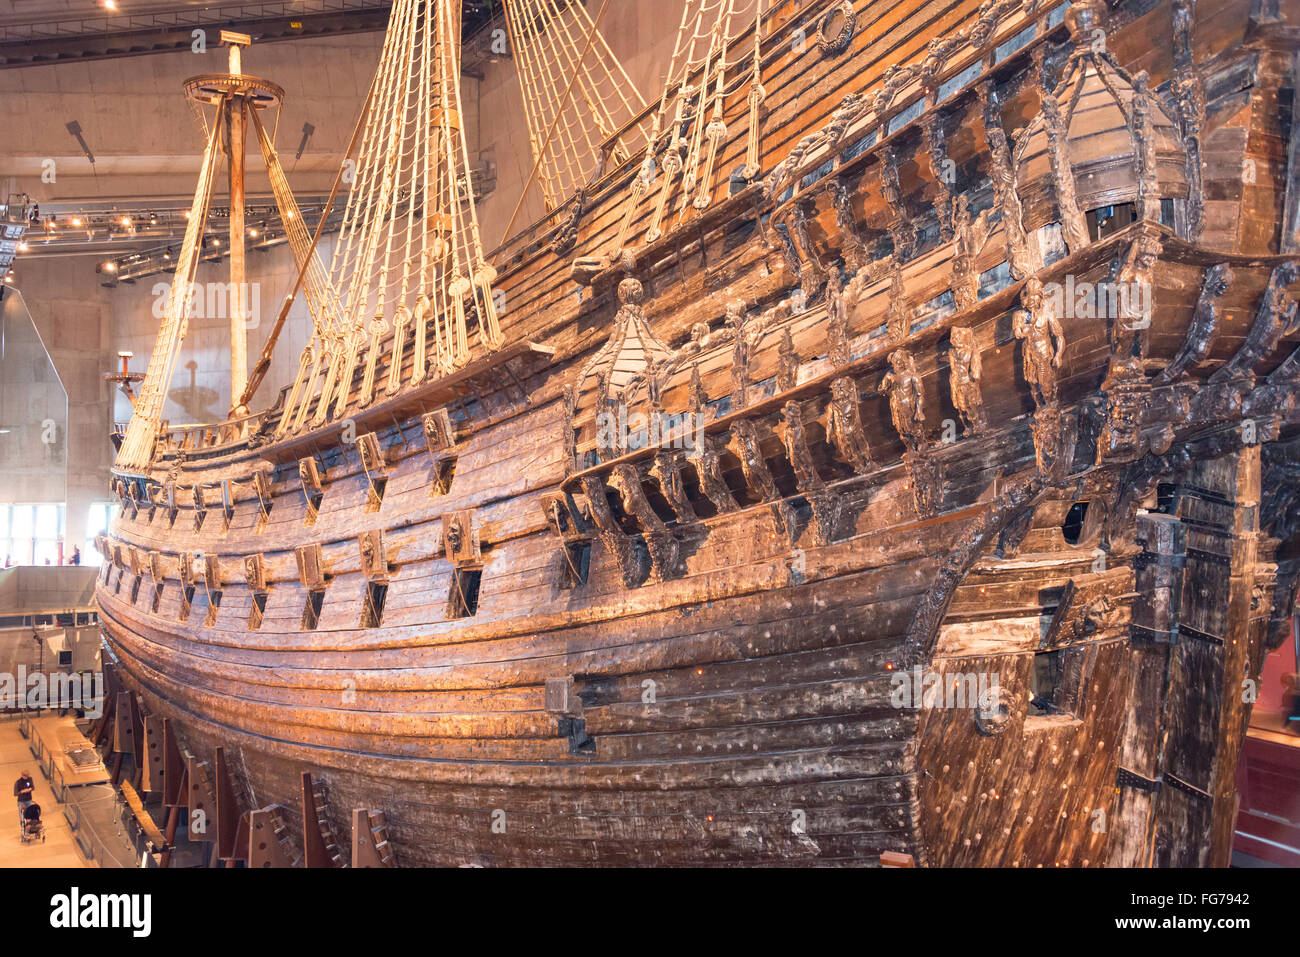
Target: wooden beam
<point>154,749</point>
<point>228,816</point>
<point>264,847</point>
<point>370,845</point>
<point>173,766</point>
<point>201,800</point>
<point>146,822</point>
<point>313,842</point>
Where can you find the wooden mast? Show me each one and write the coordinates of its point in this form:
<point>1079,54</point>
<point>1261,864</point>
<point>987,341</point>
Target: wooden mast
<point>238,120</point>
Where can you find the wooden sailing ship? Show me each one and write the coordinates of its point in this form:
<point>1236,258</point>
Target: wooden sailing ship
<point>895,345</point>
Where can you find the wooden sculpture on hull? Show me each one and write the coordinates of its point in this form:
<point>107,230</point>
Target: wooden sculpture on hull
<point>916,477</point>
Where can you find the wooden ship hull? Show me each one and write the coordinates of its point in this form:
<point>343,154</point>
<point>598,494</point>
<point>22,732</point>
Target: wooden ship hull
<point>456,625</point>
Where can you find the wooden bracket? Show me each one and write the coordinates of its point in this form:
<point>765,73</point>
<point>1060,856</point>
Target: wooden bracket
<point>667,473</point>
<point>372,454</point>
<point>200,506</point>
<point>439,434</point>
<point>173,766</point>
<point>124,723</point>
<point>565,520</point>
<point>154,772</point>
<point>268,839</point>
<point>376,467</point>
<point>318,851</point>
<point>262,487</point>
<point>200,799</point>
<point>460,536</point>
<point>169,494</point>
<point>227,503</point>
<point>227,813</point>
<point>611,533</point>
<point>185,562</point>
<point>370,844</point>
<point>212,571</point>
<point>374,558</point>
<point>255,571</point>
<point>311,566</point>
<point>313,489</point>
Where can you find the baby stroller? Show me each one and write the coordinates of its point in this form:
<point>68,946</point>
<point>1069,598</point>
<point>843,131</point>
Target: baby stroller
<point>30,826</point>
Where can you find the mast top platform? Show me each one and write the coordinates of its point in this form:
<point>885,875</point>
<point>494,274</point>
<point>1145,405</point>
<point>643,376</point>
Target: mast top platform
<point>213,88</point>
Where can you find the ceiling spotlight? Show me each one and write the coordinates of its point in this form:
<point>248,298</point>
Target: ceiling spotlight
<point>76,221</point>
<point>110,266</point>
<point>253,232</point>
<point>110,4</point>
<point>126,221</point>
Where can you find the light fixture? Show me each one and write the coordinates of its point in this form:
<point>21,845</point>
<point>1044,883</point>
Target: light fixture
<point>253,232</point>
<point>76,221</point>
<point>22,247</point>
<point>110,266</point>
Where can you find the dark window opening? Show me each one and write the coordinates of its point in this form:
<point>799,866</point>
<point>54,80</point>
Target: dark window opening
<point>375,494</point>
<point>1072,527</point>
<point>311,613</point>
<point>157,598</point>
<point>214,602</point>
<point>464,593</point>
<point>258,612</point>
<point>444,470</point>
<point>1167,498</point>
<point>372,613</point>
<point>65,659</point>
<point>577,563</point>
<point>263,514</point>
<point>313,507</point>
<point>1106,220</point>
<point>187,599</point>
<point>1045,683</point>
<point>1167,213</point>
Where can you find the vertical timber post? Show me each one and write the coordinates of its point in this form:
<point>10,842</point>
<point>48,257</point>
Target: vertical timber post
<point>1154,629</point>
<point>238,301</point>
